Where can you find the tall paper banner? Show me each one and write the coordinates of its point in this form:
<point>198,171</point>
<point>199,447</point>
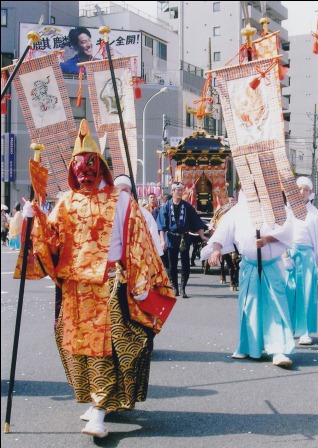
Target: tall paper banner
<point>267,46</point>
<point>255,127</point>
<point>46,108</point>
<point>104,109</point>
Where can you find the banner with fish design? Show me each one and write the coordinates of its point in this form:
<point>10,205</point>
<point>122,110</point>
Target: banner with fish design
<point>250,96</point>
<point>105,112</point>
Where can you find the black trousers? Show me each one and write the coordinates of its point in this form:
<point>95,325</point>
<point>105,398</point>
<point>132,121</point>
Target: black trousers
<point>165,260</point>
<point>233,268</point>
<point>173,256</point>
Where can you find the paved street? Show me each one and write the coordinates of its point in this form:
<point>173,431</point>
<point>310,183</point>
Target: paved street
<point>198,396</point>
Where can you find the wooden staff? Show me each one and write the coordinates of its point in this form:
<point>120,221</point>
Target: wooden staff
<point>37,148</point>
<point>248,32</point>
<point>105,30</point>
<point>33,37</point>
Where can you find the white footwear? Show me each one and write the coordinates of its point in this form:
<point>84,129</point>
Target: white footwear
<point>237,355</point>
<point>87,414</point>
<point>281,360</point>
<point>95,430</point>
<point>96,426</point>
<point>305,340</point>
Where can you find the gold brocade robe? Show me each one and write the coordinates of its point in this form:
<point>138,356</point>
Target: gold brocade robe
<point>77,236</point>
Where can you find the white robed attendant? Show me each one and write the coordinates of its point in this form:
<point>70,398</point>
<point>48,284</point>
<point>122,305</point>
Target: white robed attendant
<point>302,269</point>
<point>264,321</point>
<point>123,182</point>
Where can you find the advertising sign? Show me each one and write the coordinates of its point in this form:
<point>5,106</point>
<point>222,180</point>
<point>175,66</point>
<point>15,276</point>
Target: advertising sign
<point>80,44</point>
<point>7,157</point>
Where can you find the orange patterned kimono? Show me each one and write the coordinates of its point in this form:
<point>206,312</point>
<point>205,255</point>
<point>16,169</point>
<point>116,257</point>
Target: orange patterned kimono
<point>104,337</point>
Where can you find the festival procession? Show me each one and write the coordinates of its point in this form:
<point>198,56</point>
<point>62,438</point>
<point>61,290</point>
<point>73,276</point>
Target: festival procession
<point>160,292</point>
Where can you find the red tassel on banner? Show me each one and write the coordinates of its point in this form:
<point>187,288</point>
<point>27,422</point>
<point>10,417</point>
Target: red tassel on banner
<point>136,81</point>
<point>137,92</point>
<point>205,100</point>
<point>255,83</point>
<point>315,46</point>
<point>80,88</point>
<point>282,71</point>
<point>7,96</point>
<point>3,107</point>
<point>79,99</point>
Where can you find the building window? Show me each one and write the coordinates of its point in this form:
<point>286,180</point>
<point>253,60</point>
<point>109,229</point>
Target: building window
<point>216,6</point>
<point>293,157</point>
<point>216,56</point>
<point>148,42</point>
<point>173,13</point>
<point>161,51</point>
<point>215,82</point>
<point>78,112</point>
<point>216,31</point>
<point>4,17</point>
<point>52,20</point>
<point>189,120</point>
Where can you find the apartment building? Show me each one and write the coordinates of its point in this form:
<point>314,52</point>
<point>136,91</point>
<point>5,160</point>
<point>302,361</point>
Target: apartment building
<point>303,95</point>
<point>210,36</point>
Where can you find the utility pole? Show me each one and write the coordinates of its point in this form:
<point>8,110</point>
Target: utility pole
<point>165,123</point>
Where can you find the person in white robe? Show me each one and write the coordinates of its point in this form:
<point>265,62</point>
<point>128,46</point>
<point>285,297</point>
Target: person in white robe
<point>264,321</point>
<point>301,269</point>
<point>123,182</point>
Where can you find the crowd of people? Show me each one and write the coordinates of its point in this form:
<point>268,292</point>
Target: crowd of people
<point>110,257</point>
<point>278,302</point>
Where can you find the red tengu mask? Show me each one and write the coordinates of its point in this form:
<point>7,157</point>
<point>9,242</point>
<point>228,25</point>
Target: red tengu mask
<point>86,168</point>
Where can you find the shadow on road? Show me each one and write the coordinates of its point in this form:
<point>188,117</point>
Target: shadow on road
<point>201,424</point>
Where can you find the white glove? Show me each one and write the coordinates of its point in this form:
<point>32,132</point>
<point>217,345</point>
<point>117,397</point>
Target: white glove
<point>28,210</point>
<point>141,296</point>
<point>288,263</point>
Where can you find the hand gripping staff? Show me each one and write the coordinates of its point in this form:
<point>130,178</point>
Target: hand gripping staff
<point>248,32</point>
<point>38,176</point>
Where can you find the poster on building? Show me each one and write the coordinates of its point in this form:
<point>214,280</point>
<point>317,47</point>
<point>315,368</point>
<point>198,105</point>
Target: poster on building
<point>7,157</point>
<point>80,44</point>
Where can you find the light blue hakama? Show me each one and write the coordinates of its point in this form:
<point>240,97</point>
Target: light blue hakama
<point>264,322</point>
<point>301,290</point>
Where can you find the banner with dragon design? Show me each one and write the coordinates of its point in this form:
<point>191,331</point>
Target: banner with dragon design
<point>46,108</point>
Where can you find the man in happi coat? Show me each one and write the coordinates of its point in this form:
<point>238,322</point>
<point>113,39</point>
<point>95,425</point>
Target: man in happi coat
<point>301,267</point>
<point>96,247</point>
<point>175,220</point>
<point>264,321</point>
